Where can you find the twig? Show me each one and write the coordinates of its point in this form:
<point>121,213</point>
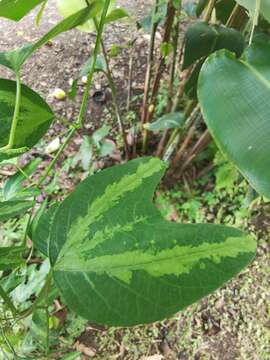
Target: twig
<point>150,61</point>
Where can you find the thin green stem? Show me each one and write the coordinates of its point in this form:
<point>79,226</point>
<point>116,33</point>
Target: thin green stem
<point>209,10</point>
<point>41,11</point>
<point>47,316</point>
<point>114,93</point>
<point>79,123</point>
<point>57,156</point>
<point>93,65</point>
<point>255,20</point>
<point>8,302</point>
<point>41,296</point>
<point>15,118</point>
<point>9,345</point>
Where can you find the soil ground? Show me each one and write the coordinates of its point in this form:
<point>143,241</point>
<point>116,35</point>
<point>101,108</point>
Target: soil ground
<point>231,324</point>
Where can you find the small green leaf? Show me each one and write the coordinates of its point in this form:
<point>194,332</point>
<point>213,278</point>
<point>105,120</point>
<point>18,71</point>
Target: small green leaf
<point>35,117</point>
<point>168,121</point>
<point>100,134</point>
<point>10,209</point>
<point>203,39</point>
<point>116,14</point>
<point>234,98</point>
<point>100,65</point>
<point>40,228</point>
<point>116,261</point>
<point>11,257</point>
<point>13,187</point>
<point>17,9</point>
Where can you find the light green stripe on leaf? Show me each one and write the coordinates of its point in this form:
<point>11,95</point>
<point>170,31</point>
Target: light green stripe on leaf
<point>175,261</point>
<point>112,195</point>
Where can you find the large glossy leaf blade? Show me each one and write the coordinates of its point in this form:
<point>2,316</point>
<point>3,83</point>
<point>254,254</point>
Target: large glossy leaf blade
<point>116,261</point>
<point>11,209</point>
<point>258,56</point>
<point>17,9</point>
<point>203,39</point>
<point>234,96</point>
<point>35,117</point>
<point>15,59</point>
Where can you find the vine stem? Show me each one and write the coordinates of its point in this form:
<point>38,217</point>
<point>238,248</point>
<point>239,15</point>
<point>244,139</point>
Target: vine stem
<point>15,114</point>
<point>8,302</point>
<point>42,294</point>
<point>255,20</point>
<point>72,131</point>
<point>150,61</point>
<point>93,65</point>
<point>83,108</point>
<point>114,94</point>
<point>9,345</point>
<point>209,11</point>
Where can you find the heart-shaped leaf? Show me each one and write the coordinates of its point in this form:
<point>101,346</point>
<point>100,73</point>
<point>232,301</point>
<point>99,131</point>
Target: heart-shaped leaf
<point>16,58</point>
<point>17,9</point>
<point>116,261</point>
<point>203,39</point>
<point>35,117</point>
<point>234,96</point>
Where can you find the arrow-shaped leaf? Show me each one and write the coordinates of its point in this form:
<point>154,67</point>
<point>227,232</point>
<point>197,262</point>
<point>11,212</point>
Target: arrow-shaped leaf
<point>116,261</point>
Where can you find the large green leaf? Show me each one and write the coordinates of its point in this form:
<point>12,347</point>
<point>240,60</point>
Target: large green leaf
<point>11,257</point>
<point>203,39</point>
<point>35,117</point>
<point>234,96</point>
<point>17,9</point>
<point>251,6</point>
<point>10,209</point>
<point>116,261</point>
<point>16,58</point>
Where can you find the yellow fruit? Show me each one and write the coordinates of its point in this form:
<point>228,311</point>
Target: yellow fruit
<point>59,94</point>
